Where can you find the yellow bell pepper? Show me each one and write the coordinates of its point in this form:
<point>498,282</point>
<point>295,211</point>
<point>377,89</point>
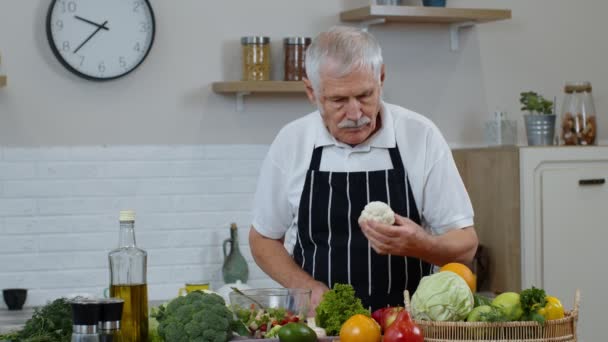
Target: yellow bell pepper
<point>553,309</point>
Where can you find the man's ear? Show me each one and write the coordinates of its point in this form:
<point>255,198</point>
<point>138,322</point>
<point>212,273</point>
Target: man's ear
<point>310,91</point>
<point>382,75</point>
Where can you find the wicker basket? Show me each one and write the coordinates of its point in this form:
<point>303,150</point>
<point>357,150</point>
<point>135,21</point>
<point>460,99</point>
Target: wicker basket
<point>558,330</point>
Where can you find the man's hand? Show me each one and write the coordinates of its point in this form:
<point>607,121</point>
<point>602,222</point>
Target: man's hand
<point>318,289</point>
<point>272,257</point>
<point>405,238</point>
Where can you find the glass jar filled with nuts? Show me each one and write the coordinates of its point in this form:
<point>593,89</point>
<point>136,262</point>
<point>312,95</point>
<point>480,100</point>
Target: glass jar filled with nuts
<point>256,58</point>
<point>578,117</point>
<point>294,49</point>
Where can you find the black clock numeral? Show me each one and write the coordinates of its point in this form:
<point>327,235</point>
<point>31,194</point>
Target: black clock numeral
<point>70,7</point>
<point>122,62</point>
<point>137,5</point>
<point>144,27</point>
<point>65,46</point>
<point>101,67</point>
<point>59,25</point>
<point>137,47</point>
<point>81,60</point>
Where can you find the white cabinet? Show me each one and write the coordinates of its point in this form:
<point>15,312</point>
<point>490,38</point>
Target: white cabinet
<point>564,193</point>
<point>542,214</point>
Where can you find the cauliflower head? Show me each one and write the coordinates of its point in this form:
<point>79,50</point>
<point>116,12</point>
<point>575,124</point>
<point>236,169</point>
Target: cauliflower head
<point>199,316</point>
<point>379,212</point>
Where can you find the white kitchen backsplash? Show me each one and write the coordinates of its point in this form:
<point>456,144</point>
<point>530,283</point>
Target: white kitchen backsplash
<point>59,214</point>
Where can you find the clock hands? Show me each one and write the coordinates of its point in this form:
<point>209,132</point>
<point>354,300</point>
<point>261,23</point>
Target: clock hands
<point>92,23</point>
<point>99,27</point>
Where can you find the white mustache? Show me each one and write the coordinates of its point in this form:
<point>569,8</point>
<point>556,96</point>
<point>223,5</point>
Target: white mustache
<point>347,123</point>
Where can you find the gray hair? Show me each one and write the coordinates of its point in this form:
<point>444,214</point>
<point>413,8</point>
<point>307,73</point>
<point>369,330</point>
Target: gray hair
<point>348,47</point>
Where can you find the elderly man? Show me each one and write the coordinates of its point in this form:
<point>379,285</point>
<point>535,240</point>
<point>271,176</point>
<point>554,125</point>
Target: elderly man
<point>323,168</point>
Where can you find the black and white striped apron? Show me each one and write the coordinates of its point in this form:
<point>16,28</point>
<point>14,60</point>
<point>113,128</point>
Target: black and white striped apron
<point>330,245</point>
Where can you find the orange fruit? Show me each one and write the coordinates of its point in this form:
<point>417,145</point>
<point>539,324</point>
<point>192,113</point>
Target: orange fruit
<point>464,272</point>
<point>360,328</point>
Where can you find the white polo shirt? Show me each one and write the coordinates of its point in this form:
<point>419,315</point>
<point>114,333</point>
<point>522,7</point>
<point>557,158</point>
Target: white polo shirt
<point>440,195</point>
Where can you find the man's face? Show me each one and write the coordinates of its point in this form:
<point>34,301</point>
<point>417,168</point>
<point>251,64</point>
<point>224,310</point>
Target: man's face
<point>350,104</point>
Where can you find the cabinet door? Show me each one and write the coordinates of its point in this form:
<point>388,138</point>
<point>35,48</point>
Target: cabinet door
<point>574,241</point>
<point>492,180</point>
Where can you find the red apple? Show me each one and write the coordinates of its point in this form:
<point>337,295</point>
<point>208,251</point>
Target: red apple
<point>389,315</point>
<point>378,314</point>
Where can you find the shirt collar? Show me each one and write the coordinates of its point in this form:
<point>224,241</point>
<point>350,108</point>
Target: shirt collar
<point>383,138</point>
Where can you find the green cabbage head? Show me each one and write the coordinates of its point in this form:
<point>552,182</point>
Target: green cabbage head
<point>442,296</point>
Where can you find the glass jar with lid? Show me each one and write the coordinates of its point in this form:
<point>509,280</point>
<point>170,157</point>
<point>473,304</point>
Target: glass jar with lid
<point>578,116</point>
<point>256,58</point>
<point>294,49</point>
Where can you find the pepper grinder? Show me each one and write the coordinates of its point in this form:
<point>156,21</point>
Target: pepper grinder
<point>85,316</point>
<point>109,320</point>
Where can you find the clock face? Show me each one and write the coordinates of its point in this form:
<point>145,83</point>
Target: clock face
<point>100,39</point>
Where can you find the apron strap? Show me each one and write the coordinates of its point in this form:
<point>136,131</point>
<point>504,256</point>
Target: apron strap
<point>396,158</point>
<point>315,161</point>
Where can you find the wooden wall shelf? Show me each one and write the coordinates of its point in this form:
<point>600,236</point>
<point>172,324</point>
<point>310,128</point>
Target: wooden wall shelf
<point>2,81</point>
<point>242,88</point>
<point>457,18</point>
<point>415,14</point>
<point>258,87</point>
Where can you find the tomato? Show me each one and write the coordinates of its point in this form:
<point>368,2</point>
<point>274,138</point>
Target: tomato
<point>297,332</point>
<point>360,328</point>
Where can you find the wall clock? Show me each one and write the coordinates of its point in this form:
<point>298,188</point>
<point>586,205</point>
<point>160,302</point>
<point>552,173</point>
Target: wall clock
<point>100,40</point>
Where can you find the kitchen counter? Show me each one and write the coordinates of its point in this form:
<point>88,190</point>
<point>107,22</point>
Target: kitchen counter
<point>14,319</point>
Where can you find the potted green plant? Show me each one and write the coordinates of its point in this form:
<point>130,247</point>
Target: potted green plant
<point>539,118</point>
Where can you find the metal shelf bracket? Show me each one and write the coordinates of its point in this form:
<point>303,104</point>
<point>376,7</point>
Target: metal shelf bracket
<point>364,25</point>
<point>240,99</point>
<point>455,33</point>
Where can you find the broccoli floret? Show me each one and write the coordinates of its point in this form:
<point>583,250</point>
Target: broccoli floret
<point>197,316</point>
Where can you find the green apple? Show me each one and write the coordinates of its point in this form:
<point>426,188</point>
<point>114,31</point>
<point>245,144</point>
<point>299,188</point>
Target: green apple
<point>510,305</point>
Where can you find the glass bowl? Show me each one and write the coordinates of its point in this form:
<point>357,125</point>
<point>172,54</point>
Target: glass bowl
<point>295,301</point>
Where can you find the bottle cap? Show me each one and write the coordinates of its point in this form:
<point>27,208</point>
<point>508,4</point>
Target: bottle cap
<point>85,311</point>
<point>127,216</point>
<point>111,309</point>
<point>297,40</point>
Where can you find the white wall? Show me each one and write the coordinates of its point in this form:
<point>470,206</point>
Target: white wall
<point>59,214</point>
<point>169,101</point>
<point>74,152</point>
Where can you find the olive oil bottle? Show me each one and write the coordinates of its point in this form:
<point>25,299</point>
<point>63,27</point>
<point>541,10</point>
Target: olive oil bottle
<point>128,281</point>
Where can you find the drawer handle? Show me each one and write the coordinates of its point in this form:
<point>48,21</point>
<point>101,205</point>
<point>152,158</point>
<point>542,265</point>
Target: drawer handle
<point>595,181</point>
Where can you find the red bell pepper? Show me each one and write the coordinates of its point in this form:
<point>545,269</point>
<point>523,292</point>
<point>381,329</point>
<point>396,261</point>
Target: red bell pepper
<point>403,330</point>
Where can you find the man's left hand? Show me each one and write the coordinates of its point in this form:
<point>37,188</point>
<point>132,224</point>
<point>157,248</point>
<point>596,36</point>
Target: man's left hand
<point>405,238</point>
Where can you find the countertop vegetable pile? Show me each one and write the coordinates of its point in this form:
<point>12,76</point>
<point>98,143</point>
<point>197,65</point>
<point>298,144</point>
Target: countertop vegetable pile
<point>443,296</point>
<point>447,296</point>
